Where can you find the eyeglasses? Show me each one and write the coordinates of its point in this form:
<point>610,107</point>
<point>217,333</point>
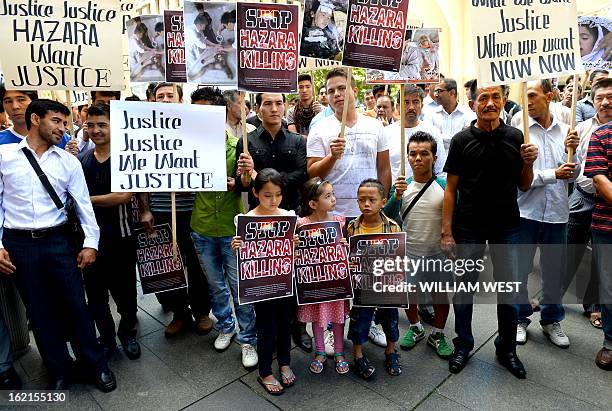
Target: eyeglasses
<point>439,90</point>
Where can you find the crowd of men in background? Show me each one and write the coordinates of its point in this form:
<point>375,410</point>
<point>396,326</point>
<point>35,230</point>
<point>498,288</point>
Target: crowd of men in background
<point>478,153</point>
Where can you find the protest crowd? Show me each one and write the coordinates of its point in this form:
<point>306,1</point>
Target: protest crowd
<point>467,183</point>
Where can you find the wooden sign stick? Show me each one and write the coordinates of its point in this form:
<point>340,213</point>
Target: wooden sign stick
<point>403,131</point>
<point>70,119</point>
<point>173,197</point>
<point>524,103</point>
<point>570,151</point>
<point>243,128</point>
<point>349,74</point>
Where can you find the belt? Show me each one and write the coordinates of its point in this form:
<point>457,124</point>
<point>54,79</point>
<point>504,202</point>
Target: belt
<point>40,233</point>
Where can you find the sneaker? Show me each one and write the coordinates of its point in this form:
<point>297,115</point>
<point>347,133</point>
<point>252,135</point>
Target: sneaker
<point>412,337</point>
<point>328,337</point>
<point>249,356</point>
<point>223,341</point>
<point>521,333</point>
<point>377,336</point>
<point>556,335</point>
<point>438,342</point>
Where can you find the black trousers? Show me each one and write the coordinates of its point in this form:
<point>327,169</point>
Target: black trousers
<point>114,271</point>
<point>51,287</point>
<point>273,323</point>
<point>196,295</point>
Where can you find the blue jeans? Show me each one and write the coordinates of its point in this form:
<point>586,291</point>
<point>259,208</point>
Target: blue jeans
<point>602,253</point>
<point>471,245</point>
<point>219,262</point>
<point>361,321</point>
<point>552,239</point>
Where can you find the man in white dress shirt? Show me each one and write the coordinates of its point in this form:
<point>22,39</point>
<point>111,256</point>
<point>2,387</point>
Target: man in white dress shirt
<point>36,245</point>
<point>544,213</point>
<point>449,117</point>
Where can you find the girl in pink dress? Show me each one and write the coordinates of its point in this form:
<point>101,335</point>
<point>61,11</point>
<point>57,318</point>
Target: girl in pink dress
<point>317,203</point>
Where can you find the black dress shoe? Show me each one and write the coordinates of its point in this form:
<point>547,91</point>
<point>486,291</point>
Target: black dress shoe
<point>131,348</point>
<point>105,380</point>
<point>458,361</point>
<point>301,337</point>
<point>513,364</point>
<point>59,384</point>
<point>9,380</point>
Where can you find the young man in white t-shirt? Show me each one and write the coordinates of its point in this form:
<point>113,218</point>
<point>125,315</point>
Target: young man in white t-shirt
<point>421,219</point>
<point>347,160</point>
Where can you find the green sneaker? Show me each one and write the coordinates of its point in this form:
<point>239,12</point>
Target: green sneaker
<point>412,337</point>
<point>437,341</point>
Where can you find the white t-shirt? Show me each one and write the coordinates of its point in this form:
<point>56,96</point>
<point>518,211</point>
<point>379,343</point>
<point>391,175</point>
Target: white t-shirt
<point>423,223</point>
<point>392,134</point>
<point>363,142</point>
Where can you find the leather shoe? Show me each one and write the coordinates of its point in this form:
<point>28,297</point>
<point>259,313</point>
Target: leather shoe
<point>203,325</point>
<point>59,384</point>
<point>458,361</point>
<point>176,326</point>
<point>604,359</point>
<point>131,348</point>
<point>105,380</point>
<point>513,364</point>
<point>301,337</point>
<point>9,380</point>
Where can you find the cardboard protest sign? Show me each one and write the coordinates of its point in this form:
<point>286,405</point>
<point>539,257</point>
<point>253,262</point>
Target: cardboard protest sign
<point>527,40</point>
<point>159,147</point>
<point>420,60</point>
<point>127,13</point>
<point>591,32</point>
<point>61,45</point>
<point>323,29</point>
<point>373,286</point>
<point>315,64</point>
<point>210,42</point>
<point>265,260</point>
<point>157,268</point>
<point>268,47</point>
<point>175,47</point>
<point>375,33</point>
<point>146,49</point>
<point>321,264</point>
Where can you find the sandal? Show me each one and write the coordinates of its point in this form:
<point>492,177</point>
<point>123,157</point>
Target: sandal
<point>364,368</point>
<point>267,385</point>
<point>392,364</point>
<point>342,366</point>
<point>317,365</point>
<point>596,321</point>
<point>287,378</point>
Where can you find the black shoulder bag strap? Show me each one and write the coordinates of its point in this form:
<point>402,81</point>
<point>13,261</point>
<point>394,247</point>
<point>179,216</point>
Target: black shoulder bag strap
<point>44,180</point>
<point>417,198</point>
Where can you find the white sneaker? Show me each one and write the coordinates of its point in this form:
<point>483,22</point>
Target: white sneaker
<point>249,356</point>
<point>328,337</point>
<point>521,333</point>
<point>555,334</point>
<point>224,340</point>
<point>377,335</point>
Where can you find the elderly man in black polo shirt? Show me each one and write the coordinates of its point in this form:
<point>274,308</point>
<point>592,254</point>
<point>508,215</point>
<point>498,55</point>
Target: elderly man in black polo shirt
<point>272,146</point>
<point>486,164</point>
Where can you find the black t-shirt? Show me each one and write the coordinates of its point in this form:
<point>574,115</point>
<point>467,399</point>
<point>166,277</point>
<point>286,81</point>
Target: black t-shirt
<point>489,166</point>
<point>114,222</point>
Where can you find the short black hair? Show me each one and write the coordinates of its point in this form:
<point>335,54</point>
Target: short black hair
<point>150,89</point>
<point>159,26</point>
<point>378,89</point>
<point>468,84</point>
<point>80,107</point>
<point>411,89</point>
<point>594,73</point>
<point>106,93</point>
<point>605,83</point>
<point>474,90</point>
<point>99,110</point>
<point>372,182</point>
<point>133,97</point>
<point>228,17</point>
<point>41,107</point>
<point>211,94</point>
<point>450,84</point>
<point>424,137</point>
<point>304,77</point>
<point>179,89</point>
<point>268,175</point>
<point>247,103</point>
<point>32,94</point>
<point>259,98</point>
<point>339,72</point>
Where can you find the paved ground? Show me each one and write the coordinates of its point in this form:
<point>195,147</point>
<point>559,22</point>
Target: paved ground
<point>187,373</point>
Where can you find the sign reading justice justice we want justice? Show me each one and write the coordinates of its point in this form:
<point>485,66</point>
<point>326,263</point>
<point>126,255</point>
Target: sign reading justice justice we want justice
<point>158,147</point>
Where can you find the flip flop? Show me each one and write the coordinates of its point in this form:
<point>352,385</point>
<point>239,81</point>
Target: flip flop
<point>285,376</point>
<point>596,322</point>
<point>265,385</point>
